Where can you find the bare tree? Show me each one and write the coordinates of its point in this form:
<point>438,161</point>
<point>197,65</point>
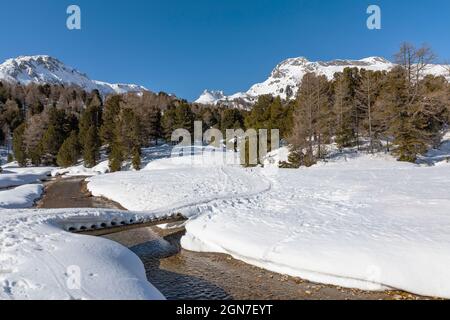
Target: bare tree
<point>414,62</point>
<point>310,125</point>
<point>367,94</point>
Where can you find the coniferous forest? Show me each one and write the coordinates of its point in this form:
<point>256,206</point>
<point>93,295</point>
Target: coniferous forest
<point>401,111</point>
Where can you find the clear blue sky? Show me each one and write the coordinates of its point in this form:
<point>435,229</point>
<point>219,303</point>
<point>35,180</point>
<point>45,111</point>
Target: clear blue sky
<point>185,46</point>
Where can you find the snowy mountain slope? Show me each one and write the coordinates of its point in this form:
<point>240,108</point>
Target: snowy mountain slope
<point>285,78</point>
<point>44,69</point>
<point>210,97</point>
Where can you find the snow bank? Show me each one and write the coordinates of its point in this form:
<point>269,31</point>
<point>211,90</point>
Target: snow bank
<point>357,221</point>
<point>275,157</point>
<point>21,197</point>
<point>81,170</point>
<point>13,176</point>
<point>39,260</point>
<point>359,225</point>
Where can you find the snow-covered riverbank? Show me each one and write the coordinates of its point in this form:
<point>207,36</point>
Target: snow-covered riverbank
<point>21,187</point>
<point>367,222</point>
<point>39,260</point>
<point>358,221</point>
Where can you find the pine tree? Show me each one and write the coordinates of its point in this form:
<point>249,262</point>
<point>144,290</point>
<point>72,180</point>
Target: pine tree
<point>410,123</point>
<point>35,154</point>
<point>51,143</point>
<point>184,117</point>
<point>154,131</point>
<point>90,117</point>
<point>136,161</point>
<point>168,123</point>
<point>295,160</point>
<point>18,145</point>
<point>259,116</point>
<point>116,157</point>
<point>91,149</point>
<point>127,140</point>
<point>69,152</point>
<point>231,119</point>
<point>346,108</point>
<point>110,118</point>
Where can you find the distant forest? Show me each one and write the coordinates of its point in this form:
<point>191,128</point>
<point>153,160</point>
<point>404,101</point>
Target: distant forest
<point>401,111</point>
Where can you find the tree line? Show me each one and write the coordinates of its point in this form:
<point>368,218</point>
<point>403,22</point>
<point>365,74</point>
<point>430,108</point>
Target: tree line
<point>402,111</point>
<point>57,125</point>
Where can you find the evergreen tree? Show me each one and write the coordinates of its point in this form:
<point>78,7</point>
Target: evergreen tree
<point>69,152</point>
<point>346,108</point>
<point>116,157</point>
<point>127,141</point>
<point>91,150</point>
<point>136,161</point>
<point>184,117</point>
<point>110,118</point>
<point>231,119</point>
<point>36,154</point>
<point>154,130</point>
<point>90,117</point>
<point>51,143</point>
<point>168,123</point>
<point>19,146</point>
<point>259,115</point>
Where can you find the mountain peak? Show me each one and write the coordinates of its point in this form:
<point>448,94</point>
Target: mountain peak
<point>44,69</point>
<point>286,77</point>
<point>210,97</point>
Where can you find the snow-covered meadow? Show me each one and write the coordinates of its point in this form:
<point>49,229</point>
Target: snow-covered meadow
<point>359,221</point>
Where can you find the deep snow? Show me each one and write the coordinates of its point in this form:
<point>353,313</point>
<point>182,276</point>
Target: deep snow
<point>21,187</point>
<point>360,221</point>
<point>39,260</point>
<point>13,175</point>
<point>20,197</point>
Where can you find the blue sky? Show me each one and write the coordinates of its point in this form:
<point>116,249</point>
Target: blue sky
<point>183,47</point>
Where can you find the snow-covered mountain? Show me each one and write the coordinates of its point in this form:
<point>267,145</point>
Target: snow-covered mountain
<point>210,97</point>
<point>43,69</point>
<point>286,77</point>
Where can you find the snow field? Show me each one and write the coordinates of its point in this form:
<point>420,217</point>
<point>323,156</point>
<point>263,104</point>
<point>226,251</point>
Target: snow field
<point>365,222</point>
